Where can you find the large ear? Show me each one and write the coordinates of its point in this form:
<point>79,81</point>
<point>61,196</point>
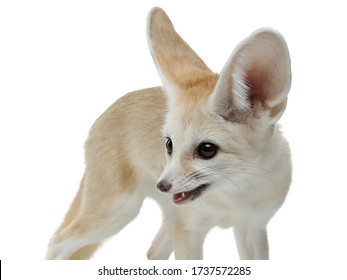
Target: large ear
<point>177,64</point>
<point>256,79</point>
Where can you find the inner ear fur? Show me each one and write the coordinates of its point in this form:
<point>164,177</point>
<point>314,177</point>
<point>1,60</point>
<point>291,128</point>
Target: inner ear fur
<point>255,80</point>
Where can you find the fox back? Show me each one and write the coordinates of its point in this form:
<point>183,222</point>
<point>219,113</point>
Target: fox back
<point>205,146</point>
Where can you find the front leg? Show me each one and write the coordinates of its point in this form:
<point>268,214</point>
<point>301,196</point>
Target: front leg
<point>189,236</point>
<point>162,245</point>
<point>252,243</point>
<point>188,245</point>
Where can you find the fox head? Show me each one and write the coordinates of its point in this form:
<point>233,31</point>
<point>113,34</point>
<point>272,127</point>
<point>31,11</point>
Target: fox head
<point>218,126</point>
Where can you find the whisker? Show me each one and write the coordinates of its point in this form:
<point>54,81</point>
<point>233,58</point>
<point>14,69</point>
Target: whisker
<point>227,171</point>
<point>236,185</point>
<point>253,165</point>
<point>255,174</point>
<point>161,167</point>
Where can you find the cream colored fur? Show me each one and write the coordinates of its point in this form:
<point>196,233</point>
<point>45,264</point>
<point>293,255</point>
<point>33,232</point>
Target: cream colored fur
<point>242,185</point>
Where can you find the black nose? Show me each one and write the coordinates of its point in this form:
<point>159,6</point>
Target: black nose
<point>164,186</point>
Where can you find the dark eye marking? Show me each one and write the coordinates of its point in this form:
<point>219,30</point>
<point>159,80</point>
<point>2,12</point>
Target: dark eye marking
<point>206,150</point>
<point>169,146</point>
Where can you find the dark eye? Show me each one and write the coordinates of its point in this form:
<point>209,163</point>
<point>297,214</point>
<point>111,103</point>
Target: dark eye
<point>169,146</point>
<point>207,150</point>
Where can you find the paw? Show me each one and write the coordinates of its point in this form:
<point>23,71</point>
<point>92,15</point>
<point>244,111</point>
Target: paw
<point>57,252</point>
<point>154,253</point>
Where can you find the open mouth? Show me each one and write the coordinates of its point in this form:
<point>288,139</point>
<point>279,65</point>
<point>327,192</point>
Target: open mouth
<point>183,197</point>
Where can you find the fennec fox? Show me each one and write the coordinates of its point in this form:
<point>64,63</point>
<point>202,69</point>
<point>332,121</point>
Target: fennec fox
<point>205,146</point>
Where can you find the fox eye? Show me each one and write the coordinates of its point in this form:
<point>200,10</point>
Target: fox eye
<point>207,150</point>
<point>169,147</point>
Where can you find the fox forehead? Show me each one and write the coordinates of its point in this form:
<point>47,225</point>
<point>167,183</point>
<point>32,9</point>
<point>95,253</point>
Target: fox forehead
<point>190,123</point>
<point>190,101</point>
<point>196,90</point>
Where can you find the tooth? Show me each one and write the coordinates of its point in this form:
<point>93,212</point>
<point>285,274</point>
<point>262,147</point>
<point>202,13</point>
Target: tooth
<point>183,194</point>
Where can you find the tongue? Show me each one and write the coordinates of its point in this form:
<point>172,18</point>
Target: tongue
<point>179,198</point>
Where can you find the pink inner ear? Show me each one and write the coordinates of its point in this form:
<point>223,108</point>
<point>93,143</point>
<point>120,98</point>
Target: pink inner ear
<point>257,80</point>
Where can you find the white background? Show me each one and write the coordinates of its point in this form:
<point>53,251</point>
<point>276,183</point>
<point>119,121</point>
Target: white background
<point>62,63</point>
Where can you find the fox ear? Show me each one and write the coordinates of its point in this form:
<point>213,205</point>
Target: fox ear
<point>255,80</point>
<point>177,64</point>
